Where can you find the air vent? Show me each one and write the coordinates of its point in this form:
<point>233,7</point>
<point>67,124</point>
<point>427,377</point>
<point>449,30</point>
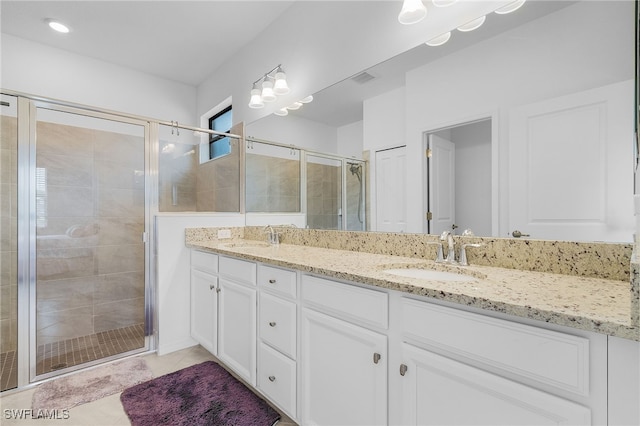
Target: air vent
<point>363,77</point>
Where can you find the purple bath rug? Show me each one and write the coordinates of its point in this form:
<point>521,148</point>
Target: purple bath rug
<point>203,394</point>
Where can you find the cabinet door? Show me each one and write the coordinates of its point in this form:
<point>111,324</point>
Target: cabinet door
<point>344,372</point>
<point>440,391</point>
<point>204,309</point>
<point>237,329</point>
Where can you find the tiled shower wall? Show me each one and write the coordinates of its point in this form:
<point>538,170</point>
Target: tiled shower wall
<point>8,236</point>
<point>323,195</point>
<point>90,219</point>
<point>273,184</point>
<point>177,177</point>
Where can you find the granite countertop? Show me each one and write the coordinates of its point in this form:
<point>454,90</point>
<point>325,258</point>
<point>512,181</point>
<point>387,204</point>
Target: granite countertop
<point>593,304</point>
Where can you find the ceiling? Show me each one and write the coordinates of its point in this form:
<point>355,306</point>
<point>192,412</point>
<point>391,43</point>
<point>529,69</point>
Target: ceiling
<point>176,40</point>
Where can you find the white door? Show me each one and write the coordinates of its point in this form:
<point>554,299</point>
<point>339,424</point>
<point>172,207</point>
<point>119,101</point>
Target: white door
<point>440,391</point>
<point>442,184</point>
<point>391,188</point>
<point>237,329</point>
<point>571,166</point>
<point>344,381</point>
<point>204,310</point>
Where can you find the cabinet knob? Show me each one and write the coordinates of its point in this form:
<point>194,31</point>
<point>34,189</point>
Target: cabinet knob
<point>403,369</point>
<point>212,286</point>
<point>272,323</point>
<point>376,358</point>
<point>218,290</point>
<point>272,281</point>
<point>272,378</point>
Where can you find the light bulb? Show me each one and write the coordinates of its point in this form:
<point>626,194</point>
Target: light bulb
<point>57,26</point>
<point>306,100</point>
<point>282,112</point>
<point>280,87</point>
<point>267,91</point>
<point>413,11</point>
<point>439,40</point>
<point>511,7</point>
<point>472,25</point>
<point>256,99</point>
<point>294,106</point>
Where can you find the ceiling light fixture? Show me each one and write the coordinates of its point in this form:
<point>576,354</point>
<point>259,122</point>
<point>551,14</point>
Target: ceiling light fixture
<point>511,7</point>
<point>274,83</point>
<point>413,11</point>
<point>439,40</point>
<point>57,26</point>
<point>472,25</point>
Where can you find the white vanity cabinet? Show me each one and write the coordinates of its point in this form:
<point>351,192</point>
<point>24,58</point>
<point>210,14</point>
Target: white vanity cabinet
<point>204,299</point>
<point>459,367</point>
<point>237,316</point>
<point>277,332</point>
<point>343,364</point>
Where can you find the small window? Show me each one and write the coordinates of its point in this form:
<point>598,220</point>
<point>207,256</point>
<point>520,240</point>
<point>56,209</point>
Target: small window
<point>220,146</point>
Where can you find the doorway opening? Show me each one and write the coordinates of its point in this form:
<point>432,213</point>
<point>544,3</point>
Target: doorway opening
<point>458,178</point>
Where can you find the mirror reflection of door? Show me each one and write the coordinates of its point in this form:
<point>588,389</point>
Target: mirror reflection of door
<point>458,173</point>
<point>390,181</point>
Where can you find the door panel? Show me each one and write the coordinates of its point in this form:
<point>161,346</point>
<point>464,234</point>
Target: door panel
<point>391,215</point>
<point>571,176</point>
<point>89,201</point>
<point>442,184</point>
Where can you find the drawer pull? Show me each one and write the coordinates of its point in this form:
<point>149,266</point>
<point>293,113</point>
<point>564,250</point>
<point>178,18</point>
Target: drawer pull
<point>376,358</point>
<point>403,369</point>
<point>272,281</point>
<point>272,378</point>
<point>272,323</point>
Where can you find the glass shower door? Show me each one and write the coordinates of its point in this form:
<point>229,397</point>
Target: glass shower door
<point>88,217</point>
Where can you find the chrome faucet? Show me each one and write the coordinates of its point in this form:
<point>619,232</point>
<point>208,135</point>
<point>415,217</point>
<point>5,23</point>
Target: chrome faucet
<point>273,237</point>
<point>451,253</point>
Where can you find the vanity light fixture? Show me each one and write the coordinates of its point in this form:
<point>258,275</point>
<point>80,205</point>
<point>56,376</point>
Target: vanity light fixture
<point>273,83</point>
<point>511,7</point>
<point>294,106</point>
<point>472,25</point>
<point>413,11</point>
<point>256,99</point>
<point>57,26</point>
<point>439,40</point>
<point>443,3</point>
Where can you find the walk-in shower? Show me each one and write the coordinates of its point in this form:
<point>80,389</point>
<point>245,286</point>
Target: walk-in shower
<point>74,229</point>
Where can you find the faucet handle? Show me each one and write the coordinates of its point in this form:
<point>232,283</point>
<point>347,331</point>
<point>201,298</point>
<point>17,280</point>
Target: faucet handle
<point>463,252</point>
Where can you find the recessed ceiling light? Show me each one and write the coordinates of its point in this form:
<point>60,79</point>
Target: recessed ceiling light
<point>57,26</point>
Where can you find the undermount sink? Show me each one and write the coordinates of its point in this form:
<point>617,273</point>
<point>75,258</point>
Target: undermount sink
<point>429,274</point>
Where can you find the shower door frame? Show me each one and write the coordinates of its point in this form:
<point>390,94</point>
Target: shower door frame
<point>27,308</point>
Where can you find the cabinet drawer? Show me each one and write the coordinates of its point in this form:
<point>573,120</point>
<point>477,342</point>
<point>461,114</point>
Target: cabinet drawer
<point>548,357</point>
<point>238,270</point>
<point>207,262</point>
<point>277,321</point>
<point>277,378</point>
<point>349,301</point>
<point>281,281</point>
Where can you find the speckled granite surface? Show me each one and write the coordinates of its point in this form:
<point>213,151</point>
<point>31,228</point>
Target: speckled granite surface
<point>576,300</point>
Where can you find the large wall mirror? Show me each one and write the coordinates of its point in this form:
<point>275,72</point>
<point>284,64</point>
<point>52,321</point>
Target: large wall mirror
<point>524,126</point>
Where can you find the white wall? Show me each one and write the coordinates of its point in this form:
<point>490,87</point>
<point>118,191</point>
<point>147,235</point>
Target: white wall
<point>297,131</point>
<point>37,69</point>
<point>384,121</point>
<point>527,64</point>
<point>350,140</point>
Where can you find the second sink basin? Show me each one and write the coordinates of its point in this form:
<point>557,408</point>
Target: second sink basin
<point>429,274</point>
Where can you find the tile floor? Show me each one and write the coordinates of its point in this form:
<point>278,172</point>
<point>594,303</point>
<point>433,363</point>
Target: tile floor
<point>108,411</point>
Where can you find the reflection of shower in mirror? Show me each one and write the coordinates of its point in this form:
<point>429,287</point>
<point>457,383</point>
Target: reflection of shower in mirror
<point>356,170</point>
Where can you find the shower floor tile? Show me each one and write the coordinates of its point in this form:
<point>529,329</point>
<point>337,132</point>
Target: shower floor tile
<point>70,352</point>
